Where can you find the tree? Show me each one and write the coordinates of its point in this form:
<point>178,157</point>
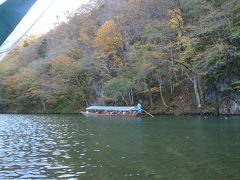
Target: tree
<point>108,38</point>
<point>42,49</point>
<point>129,49</point>
<point>119,88</point>
<point>189,56</point>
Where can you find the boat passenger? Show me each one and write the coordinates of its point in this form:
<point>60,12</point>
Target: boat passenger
<point>139,108</point>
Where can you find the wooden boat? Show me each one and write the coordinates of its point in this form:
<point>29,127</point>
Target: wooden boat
<point>112,111</point>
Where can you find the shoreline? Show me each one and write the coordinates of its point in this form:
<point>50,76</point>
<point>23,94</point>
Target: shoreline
<point>155,114</point>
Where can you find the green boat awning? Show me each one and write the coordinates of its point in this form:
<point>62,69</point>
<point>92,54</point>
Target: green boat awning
<point>112,108</point>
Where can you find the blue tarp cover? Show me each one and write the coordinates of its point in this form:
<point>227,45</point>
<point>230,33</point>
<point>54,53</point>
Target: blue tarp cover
<point>112,108</point>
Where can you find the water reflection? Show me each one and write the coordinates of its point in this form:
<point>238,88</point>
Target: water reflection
<point>74,147</point>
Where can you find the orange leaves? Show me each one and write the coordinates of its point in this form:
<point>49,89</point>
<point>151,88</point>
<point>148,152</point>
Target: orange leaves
<point>108,38</point>
<point>60,59</point>
<point>10,81</point>
<point>62,62</point>
<point>84,37</point>
<point>135,9</point>
<point>156,54</point>
<point>63,65</point>
<point>118,62</point>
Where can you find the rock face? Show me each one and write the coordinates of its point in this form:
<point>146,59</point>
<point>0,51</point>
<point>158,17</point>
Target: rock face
<point>231,106</point>
<point>227,100</point>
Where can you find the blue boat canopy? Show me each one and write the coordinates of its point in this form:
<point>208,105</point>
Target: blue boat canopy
<point>112,108</point>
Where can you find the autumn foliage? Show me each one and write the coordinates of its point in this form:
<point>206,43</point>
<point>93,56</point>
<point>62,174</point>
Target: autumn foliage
<point>108,38</point>
<point>117,52</point>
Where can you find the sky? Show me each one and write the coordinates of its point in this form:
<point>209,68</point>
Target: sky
<point>40,19</point>
<point>2,1</point>
<point>57,8</point>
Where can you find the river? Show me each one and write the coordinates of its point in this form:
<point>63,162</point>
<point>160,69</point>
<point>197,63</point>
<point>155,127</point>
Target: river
<point>75,147</point>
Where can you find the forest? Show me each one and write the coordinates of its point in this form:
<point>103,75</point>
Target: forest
<point>174,56</point>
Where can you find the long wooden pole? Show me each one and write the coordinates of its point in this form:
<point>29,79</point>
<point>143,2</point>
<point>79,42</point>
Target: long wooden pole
<point>147,113</point>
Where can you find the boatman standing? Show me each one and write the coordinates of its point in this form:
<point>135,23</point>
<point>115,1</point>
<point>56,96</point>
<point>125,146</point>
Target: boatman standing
<point>139,108</point>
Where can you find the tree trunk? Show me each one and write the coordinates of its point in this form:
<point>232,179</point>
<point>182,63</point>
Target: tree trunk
<point>195,84</point>
<point>132,96</point>
<point>160,87</point>
<point>86,102</point>
<point>102,83</point>
<point>171,86</point>
<point>200,90</point>
<point>172,71</point>
<point>217,98</point>
<point>148,92</point>
<point>150,97</point>
<point>43,105</point>
<point>124,100</point>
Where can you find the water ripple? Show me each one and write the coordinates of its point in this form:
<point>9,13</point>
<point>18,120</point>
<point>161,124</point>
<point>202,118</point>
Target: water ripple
<point>72,147</point>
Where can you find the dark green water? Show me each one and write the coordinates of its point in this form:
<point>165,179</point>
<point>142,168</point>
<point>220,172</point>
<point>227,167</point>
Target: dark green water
<point>74,147</point>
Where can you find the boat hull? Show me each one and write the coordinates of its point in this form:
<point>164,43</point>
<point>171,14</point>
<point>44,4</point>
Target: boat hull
<point>89,114</point>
